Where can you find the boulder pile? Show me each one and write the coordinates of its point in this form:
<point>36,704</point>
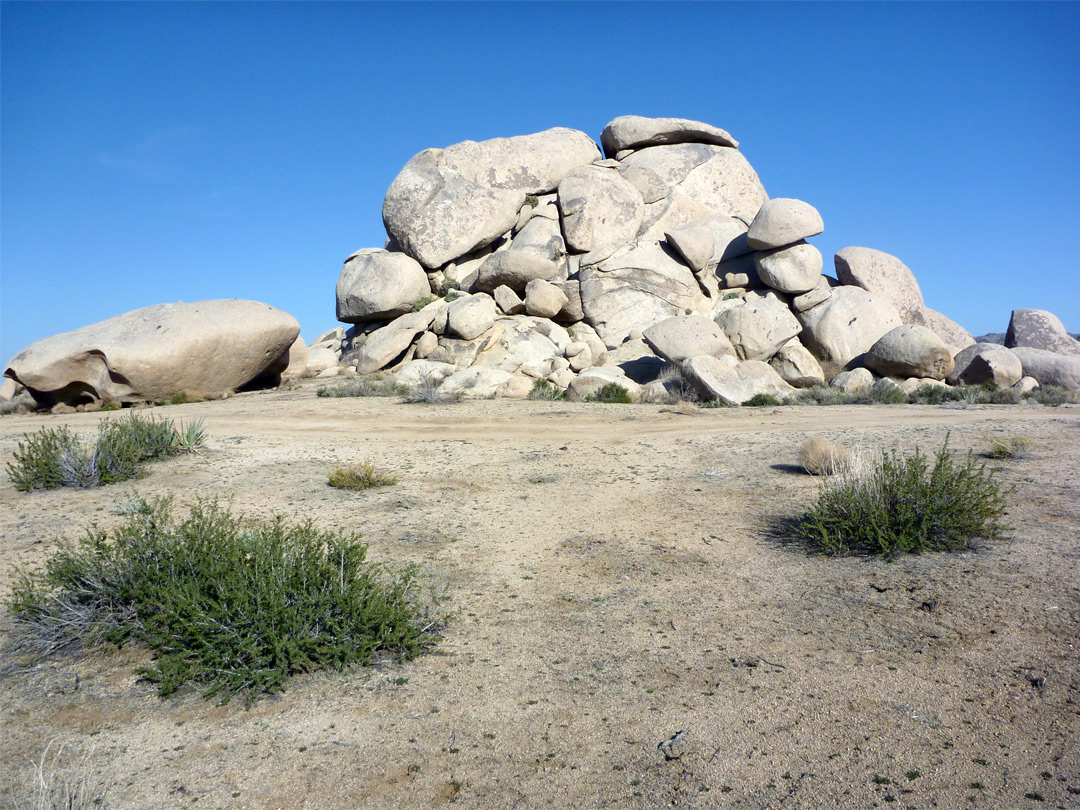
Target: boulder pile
<point>539,257</point>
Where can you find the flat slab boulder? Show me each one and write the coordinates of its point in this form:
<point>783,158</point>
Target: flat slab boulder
<point>636,132</point>
<point>388,342</point>
<point>376,284</point>
<point>1039,329</point>
<point>982,363</point>
<point>910,350</point>
<point>683,336</point>
<point>481,383</point>
<point>158,351</point>
<point>1050,368</point>
<point>885,275</point>
<point>514,269</point>
<point>725,378</point>
<point>783,221</point>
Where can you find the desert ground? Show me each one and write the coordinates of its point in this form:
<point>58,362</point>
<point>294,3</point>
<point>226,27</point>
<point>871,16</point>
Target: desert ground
<point>617,576</point>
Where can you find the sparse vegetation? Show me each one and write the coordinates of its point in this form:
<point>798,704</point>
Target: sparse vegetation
<point>930,394</point>
<point>56,457</point>
<point>819,456</point>
<point>428,392</point>
<point>364,475</point>
<point>422,302</point>
<point>611,393</point>
<point>545,389</point>
<point>762,401</point>
<point>1054,396</point>
<point>1006,447</point>
<point>895,505</point>
<point>60,781</point>
<point>235,605</point>
<point>363,387</point>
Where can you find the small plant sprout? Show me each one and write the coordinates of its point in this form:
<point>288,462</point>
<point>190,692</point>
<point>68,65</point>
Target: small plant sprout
<point>190,437</point>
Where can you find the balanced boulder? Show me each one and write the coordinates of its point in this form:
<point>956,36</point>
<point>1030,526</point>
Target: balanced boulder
<point>158,351</point>
<point>783,221</point>
<point>378,285</point>
<point>793,269</point>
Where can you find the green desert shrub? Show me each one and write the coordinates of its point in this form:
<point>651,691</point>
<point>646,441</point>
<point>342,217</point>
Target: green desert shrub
<point>891,505</point>
<point>934,395</point>
<point>545,389</point>
<point>1053,395</point>
<point>55,457</point>
<point>611,393</point>
<point>234,605</point>
<point>363,387</point>
<point>364,475</point>
<point>762,401</point>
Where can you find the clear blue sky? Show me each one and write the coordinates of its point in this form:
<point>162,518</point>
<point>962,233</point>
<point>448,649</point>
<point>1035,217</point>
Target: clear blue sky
<point>156,152</point>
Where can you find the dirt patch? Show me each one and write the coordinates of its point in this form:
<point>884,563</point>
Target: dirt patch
<point>617,579</point>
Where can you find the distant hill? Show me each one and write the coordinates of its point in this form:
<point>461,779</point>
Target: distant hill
<point>999,337</point>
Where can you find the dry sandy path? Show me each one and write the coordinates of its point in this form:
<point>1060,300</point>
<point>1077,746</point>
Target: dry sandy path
<point>617,578</point>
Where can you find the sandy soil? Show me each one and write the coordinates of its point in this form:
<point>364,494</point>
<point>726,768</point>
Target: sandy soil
<point>617,579</point>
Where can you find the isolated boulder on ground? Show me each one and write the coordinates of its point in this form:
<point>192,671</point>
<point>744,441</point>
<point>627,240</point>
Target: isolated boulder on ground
<point>636,132</point>
<point>1050,368</point>
<point>727,379</point>
<point>984,363</point>
<point>885,275</point>
<point>910,351</point>
<point>1039,329</point>
<point>158,351</point>
<point>782,221</point>
<point>377,285</point>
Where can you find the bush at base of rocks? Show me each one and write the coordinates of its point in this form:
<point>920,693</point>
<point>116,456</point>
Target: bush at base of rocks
<point>904,505</point>
<point>612,393</point>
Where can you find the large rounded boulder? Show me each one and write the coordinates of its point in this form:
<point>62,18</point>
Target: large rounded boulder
<point>846,325</point>
<point>377,285</point>
<point>1039,329</point>
<point>982,363</point>
<point>878,272</point>
<point>910,351</point>
<point>158,351</point>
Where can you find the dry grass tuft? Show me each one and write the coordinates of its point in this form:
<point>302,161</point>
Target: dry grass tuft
<point>819,456</point>
<point>364,475</point>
